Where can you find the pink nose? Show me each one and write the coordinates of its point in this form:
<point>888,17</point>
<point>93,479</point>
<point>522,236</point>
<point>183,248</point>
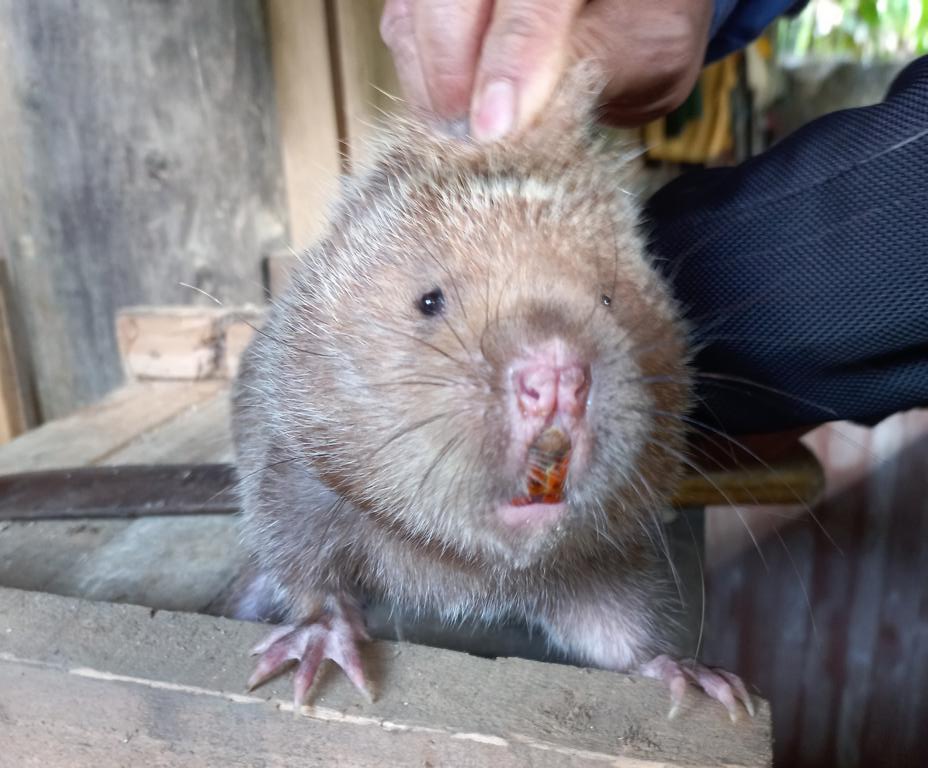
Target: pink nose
<point>543,389</point>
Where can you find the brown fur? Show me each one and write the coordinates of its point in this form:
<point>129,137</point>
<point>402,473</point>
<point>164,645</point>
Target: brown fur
<point>372,440</point>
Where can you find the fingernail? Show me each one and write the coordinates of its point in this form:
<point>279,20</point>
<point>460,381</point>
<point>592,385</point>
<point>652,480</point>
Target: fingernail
<point>495,115</point>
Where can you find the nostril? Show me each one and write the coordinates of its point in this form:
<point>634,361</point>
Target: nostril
<point>531,392</point>
<point>536,388</point>
<point>574,385</point>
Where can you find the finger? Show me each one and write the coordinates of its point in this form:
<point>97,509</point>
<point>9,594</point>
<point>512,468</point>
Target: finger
<point>522,59</point>
<point>651,53</point>
<point>396,29</point>
<point>448,35</point>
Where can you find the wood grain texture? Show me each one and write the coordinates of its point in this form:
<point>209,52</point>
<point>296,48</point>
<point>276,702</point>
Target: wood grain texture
<point>139,147</point>
<point>169,686</point>
<point>181,564</point>
<point>185,343</point>
<point>13,414</point>
<point>828,614</point>
<point>92,434</point>
<point>306,109</point>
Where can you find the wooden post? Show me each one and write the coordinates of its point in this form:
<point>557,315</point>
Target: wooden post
<point>367,82</point>
<point>306,108</point>
<point>13,401</point>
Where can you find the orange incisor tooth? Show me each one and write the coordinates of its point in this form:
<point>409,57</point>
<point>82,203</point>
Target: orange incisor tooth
<point>549,461</point>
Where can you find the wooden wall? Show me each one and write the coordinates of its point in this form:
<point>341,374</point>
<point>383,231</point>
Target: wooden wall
<point>148,144</point>
<point>139,150</point>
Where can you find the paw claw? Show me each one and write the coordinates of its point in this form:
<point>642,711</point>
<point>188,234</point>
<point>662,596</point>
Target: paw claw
<point>306,673</point>
<point>739,688</point>
<point>719,684</point>
<point>271,638</point>
<point>333,636</point>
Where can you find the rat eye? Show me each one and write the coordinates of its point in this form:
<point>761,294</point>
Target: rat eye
<point>431,303</point>
<point>606,300</point>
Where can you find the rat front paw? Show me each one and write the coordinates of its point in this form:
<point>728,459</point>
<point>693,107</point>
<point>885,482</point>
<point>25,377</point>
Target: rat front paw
<point>336,634</point>
<point>719,684</point>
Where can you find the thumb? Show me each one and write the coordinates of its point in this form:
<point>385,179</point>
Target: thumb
<point>522,59</point>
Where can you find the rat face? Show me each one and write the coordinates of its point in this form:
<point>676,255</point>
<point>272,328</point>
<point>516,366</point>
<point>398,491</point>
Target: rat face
<point>488,363</point>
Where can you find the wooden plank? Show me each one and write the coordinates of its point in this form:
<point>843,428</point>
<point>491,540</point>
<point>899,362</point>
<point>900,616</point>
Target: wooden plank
<point>184,342</point>
<point>97,431</point>
<point>183,564</point>
<point>368,84</point>
<point>306,112</point>
<point>200,434</point>
<point>13,420</point>
<point>34,555</point>
<point>795,477</point>
<point>140,151</point>
<point>180,564</point>
<point>150,490</point>
<point>170,686</point>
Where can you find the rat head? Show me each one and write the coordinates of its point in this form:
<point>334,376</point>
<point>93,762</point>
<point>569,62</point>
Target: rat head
<point>479,354</point>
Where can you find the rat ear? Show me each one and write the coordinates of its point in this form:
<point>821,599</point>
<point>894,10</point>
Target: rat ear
<point>571,110</point>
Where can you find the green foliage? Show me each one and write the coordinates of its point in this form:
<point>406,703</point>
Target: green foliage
<point>856,29</point>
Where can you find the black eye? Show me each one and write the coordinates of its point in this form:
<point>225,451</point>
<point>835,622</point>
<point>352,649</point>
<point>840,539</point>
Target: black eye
<point>431,303</point>
<point>606,300</point>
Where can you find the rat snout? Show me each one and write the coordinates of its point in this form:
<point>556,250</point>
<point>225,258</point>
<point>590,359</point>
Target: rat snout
<point>549,387</point>
<point>549,384</point>
<point>543,389</point>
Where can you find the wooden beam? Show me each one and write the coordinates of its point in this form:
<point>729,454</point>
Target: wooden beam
<point>168,689</point>
<point>180,563</point>
<point>306,111</point>
<point>367,80</point>
<point>13,414</point>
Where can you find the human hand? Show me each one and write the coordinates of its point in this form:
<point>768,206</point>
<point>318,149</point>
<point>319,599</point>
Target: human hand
<point>496,62</point>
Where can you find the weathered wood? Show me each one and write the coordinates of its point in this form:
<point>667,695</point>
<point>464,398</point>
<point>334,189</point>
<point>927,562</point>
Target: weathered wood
<point>184,342</point>
<point>164,562</point>
<point>148,490</point>
<point>169,687</point>
<point>38,556</point>
<point>89,436</point>
<point>201,434</point>
<point>13,416</point>
<point>139,150</point>
<point>794,477</point>
<point>306,109</point>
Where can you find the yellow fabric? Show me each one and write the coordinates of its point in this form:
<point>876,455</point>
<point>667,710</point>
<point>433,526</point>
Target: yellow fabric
<point>708,137</point>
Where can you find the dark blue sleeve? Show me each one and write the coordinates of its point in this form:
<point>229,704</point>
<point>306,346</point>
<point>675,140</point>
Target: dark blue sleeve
<point>804,270</point>
<point>735,23</point>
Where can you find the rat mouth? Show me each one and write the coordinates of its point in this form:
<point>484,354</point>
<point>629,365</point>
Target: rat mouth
<point>548,464</point>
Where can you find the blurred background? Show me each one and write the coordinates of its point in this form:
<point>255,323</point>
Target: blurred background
<point>153,150</point>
